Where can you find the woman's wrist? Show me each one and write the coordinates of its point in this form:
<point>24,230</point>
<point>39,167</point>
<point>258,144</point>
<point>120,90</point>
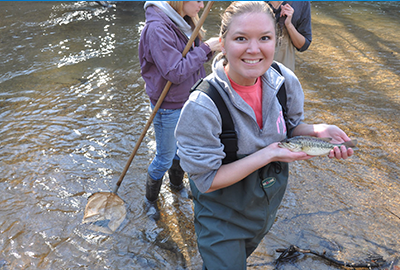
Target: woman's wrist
<point>205,43</point>
<point>206,47</point>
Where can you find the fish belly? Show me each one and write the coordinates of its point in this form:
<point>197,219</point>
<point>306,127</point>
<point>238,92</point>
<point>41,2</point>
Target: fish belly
<point>317,151</point>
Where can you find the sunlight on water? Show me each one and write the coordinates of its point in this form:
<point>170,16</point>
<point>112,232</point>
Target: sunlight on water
<point>73,105</point>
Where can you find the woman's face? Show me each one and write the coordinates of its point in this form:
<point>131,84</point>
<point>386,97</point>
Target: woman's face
<point>249,47</point>
<point>192,8</point>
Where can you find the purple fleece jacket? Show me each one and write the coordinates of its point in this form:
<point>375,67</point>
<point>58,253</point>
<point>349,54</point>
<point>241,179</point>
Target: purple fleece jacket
<point>160,54</point>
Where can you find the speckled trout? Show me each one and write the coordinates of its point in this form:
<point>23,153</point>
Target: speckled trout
<point>313,146</point>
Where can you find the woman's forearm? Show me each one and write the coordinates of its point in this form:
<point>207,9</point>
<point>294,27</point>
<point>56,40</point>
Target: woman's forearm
<point>305,130</point>
<point>232,173</point>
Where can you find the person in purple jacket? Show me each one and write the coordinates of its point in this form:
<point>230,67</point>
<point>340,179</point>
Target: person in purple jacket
<point>169,25</point>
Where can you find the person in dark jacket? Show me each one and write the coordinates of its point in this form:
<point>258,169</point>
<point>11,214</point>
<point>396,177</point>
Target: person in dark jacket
<point>293,20</point>
<point>169,25</point>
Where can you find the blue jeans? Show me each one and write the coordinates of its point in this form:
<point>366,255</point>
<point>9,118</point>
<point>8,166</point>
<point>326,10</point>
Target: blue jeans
<point>164,126</point>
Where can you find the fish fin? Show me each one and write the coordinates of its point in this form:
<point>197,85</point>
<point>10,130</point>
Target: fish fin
<point>351,143</point>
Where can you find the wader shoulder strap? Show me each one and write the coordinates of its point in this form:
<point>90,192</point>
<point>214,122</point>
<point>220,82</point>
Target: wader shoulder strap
<point>228,136</point>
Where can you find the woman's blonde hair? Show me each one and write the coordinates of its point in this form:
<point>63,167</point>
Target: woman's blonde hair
<point>242,7</point>
<point>178,6</point>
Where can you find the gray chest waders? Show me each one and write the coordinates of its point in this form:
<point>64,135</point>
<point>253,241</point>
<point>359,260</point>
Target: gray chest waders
<point>231,222</point>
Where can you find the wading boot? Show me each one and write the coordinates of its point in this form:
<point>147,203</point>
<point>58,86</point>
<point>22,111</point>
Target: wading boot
<point>176,175</point>
<point>152,191</point>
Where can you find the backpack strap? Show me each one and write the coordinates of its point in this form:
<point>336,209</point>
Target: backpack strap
<point>228,136</point>
<point>281,95</point>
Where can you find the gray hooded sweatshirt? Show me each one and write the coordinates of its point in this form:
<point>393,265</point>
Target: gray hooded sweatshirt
<point>198,129</point>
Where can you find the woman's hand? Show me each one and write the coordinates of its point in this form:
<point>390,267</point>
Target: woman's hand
<point>283,154</point>
<point>214,44</point>
<point>229,174</point>
<point>338,136</point>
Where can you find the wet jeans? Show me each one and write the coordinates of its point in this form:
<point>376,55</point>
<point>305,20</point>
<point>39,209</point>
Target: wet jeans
<point>164,126</point>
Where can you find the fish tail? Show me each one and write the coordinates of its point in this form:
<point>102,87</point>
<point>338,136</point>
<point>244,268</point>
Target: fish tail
<point>351,143</point>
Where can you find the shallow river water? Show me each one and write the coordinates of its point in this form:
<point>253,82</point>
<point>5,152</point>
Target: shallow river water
<point>72,106</point>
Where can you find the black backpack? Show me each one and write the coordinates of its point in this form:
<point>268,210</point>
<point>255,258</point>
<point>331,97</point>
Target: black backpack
<point>228,136</point>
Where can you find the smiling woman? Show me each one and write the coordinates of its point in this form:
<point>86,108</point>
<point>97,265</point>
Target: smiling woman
<point>230,193</point>
<point>250,47</point>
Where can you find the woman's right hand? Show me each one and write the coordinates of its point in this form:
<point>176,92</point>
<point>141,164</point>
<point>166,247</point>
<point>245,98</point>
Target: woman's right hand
<point>214,44</point>
<point>285,155</point>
